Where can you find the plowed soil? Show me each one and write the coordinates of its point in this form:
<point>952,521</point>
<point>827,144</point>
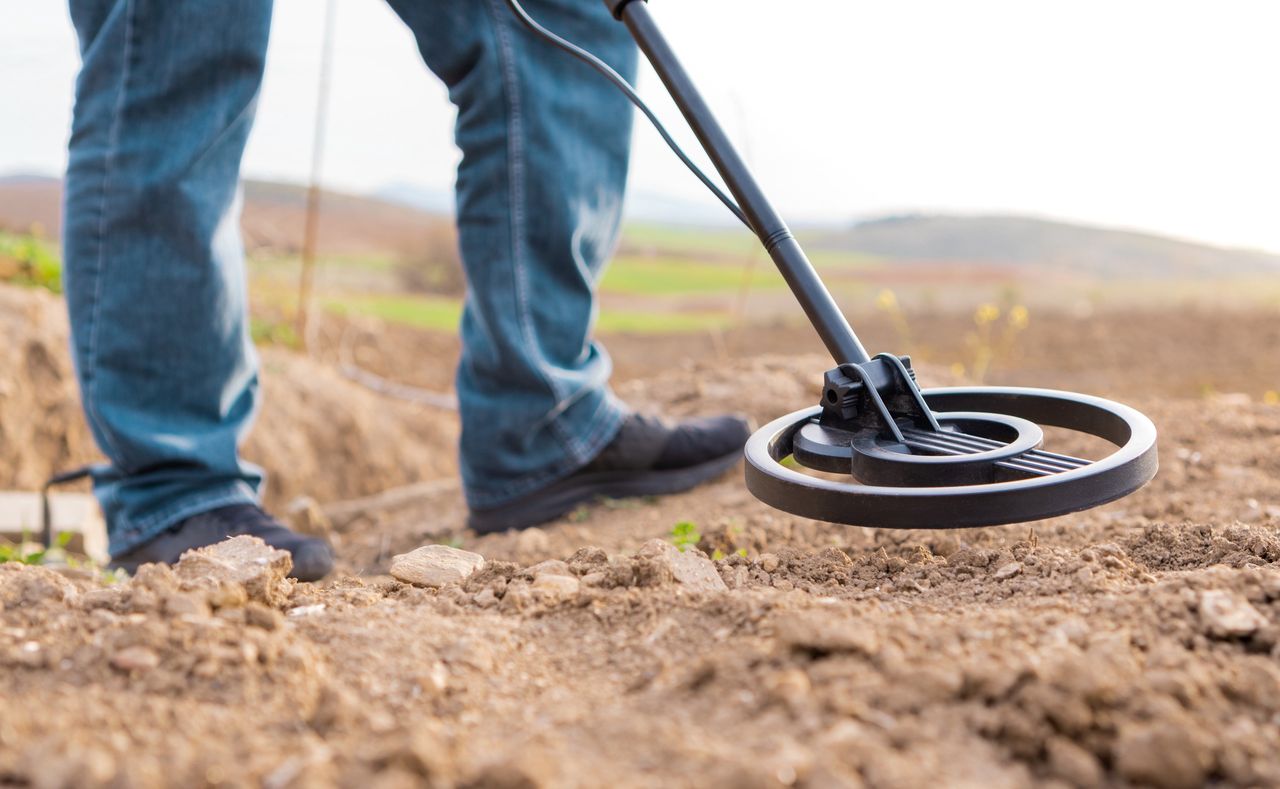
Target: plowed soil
<point>1134,644</point>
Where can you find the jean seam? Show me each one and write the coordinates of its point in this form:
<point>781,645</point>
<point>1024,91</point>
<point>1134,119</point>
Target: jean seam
<point>109,163</point>
<point>515,171</point>
<point>142,531</point>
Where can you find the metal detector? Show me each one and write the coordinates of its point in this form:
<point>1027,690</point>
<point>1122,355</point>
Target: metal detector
<point>905,457</point>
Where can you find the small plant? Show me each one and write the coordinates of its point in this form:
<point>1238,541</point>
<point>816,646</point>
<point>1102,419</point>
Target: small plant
<point>267,331</point>
<point>992,340</point>
<point>30,261</point>
<point>887,302</point>
<point>25,552</point>
<point>684,534</point>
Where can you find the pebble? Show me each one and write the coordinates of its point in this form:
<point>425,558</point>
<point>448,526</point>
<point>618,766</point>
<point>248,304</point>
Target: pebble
<point>690,568</point>
<point>1072,763</point>
<point>1226,615</point>
<point>435,565</point>
<point>486,598</point>
<point>768,562</point>
<point>135,659</point>
<point>532,541</point>
<point>1161,754</point>
<point>549,567</point>
<point>556,587</point>
<point>1008,571</point>
<point>238,569</point>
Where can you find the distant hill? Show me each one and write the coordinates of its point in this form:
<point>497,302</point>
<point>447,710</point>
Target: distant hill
<point>350,225</point>
<point>1017,241</point>
<point>403,222</point>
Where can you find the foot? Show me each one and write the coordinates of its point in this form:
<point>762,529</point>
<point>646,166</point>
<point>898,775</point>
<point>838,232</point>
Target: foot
<point>312,558</point>
<point>646,458</point>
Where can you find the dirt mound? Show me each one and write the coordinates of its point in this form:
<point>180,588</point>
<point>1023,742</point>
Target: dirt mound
<point>1134,644</point>
<point>318,434</point>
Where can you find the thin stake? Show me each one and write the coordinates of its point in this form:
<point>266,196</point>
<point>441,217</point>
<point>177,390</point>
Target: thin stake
<point>311,224</point>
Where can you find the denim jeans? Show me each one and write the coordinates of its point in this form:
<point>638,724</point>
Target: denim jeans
<point>155,266</point>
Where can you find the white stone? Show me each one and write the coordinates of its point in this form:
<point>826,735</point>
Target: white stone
<point>556,587</point>
<point>435,565</point>
<point>1226,614</point>
<point>133,659</point>
<point>690,568</point>
<point>1008,571</point>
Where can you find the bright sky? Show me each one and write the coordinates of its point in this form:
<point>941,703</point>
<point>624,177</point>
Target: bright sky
<point>1160,115</point>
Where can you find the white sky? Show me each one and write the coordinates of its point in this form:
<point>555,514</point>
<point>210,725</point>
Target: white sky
<point>1160,115</point>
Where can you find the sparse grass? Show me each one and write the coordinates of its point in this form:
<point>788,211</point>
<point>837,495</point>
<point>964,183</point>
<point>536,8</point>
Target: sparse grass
<point>684,534</point>
<point>442,314</point>
<point>670,276</point>
<point>684,241</point>
<point>29,261</point>
<point>993,338</point>
<point>423,312</point>
<point>33,554</point>
<point>27,552</point>
<point>272,331</point>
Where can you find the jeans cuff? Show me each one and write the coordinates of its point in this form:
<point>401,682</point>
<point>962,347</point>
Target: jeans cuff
<point>595,436</point>
<point>125,535</point>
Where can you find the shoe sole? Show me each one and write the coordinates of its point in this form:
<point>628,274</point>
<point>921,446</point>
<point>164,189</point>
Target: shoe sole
<point>561,497</point>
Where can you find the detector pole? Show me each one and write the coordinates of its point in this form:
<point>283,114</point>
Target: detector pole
<point>836,333</point>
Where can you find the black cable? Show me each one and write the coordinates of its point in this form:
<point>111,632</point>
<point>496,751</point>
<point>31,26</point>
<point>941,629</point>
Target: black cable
<point>624,86</point>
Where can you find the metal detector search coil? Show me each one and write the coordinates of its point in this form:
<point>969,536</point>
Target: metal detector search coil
<point>911,459</point>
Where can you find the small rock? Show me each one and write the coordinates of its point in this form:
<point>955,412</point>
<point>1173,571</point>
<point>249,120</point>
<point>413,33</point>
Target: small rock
<point>1072,763</point>
<point>135,659</point>
<point>245,562</point>
<point>486,598</point>
<point>589,558</point>
<point>532,541</point>
<point>549,567</point>
<point>1008,571</point>
<point>435,565</point>
<point>258,615</point>
<point>594,579</point>
<point>185,604</point>
<point>517,598</point>
<point>1226,615</point>
<point>690,568</point>
<point>768,562</point>
<point>24,585</point>
<point>306,610</point>
<point>556,587</point>
<point>1161,754</point>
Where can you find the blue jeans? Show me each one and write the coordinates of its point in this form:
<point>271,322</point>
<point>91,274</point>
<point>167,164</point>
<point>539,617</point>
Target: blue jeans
<point>154,260</point>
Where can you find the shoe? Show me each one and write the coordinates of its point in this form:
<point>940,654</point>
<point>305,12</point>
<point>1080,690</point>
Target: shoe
<point>312,558</point>
<point>646,458</point>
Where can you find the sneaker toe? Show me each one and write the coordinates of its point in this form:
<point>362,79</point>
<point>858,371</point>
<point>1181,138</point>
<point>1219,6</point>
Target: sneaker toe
<point>312,560</point>
<point>697,441</point>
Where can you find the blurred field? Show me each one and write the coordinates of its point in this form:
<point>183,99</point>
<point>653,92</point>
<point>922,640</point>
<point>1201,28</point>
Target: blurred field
<point>1130,645</point>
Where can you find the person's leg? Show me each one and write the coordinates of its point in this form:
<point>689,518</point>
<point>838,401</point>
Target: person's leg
<point>154,263</point>
<point>545,144</point>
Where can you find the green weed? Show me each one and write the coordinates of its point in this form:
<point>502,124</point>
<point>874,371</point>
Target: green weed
<point>684,534</point>
<point>27,552</point>
<point>29,261</point>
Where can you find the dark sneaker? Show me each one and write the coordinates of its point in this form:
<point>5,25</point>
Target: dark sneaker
<point>312,558</point>
<point>647,458</point>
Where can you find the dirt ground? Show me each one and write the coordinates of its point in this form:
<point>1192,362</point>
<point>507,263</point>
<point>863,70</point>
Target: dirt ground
<point>1135,644</point>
